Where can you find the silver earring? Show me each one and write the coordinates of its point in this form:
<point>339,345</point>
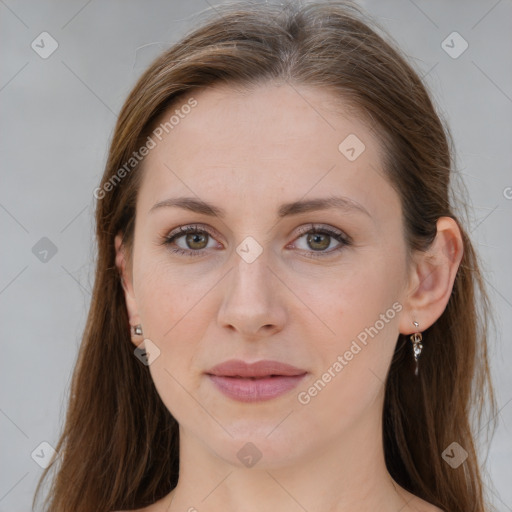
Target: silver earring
<point>137,330</point>
<point>417,346</point>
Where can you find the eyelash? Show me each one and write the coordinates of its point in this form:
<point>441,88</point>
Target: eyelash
<point>339,236</point>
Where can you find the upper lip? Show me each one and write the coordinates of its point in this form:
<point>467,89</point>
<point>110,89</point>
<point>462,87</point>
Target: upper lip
<point>265,368</point>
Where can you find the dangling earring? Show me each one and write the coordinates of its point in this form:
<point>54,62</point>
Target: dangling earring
<point>417,347</point>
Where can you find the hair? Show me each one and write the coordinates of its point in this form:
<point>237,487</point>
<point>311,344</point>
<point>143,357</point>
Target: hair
<point>119,446</point>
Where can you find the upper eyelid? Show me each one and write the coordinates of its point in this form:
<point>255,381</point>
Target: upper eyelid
<point>186,228</point>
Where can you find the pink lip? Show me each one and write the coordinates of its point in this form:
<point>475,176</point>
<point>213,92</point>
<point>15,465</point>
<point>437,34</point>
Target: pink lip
<point>258,381</point>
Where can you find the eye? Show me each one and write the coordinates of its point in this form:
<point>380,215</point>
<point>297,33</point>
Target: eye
<point>195,240</point>
<point>319,238</point>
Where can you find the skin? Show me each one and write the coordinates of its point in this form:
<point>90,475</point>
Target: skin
<point>249,152</point>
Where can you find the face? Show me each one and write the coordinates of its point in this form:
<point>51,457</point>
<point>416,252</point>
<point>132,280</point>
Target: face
<point>317,288</point>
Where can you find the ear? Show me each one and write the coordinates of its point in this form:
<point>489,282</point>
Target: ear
<point>432,276</point>
<point>126,280</point>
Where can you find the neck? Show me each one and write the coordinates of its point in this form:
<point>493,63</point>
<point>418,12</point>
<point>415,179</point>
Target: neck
<point>341,475</point>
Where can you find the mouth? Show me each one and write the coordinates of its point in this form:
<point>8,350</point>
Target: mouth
<point>251,382</point>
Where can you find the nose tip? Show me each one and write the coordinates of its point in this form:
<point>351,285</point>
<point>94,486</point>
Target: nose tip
<point>250,303</point>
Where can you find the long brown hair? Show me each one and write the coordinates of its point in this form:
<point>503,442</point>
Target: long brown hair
<point>119,448</point>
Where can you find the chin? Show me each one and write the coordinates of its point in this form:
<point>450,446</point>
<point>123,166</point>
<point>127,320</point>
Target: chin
<point>259,446</point>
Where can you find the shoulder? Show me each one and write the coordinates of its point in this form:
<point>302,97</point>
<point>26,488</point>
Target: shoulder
<point>413,503</point>
<point>145,509</point>
<point>150,508</point>
<point>161,505</point>
<point>419,505</point>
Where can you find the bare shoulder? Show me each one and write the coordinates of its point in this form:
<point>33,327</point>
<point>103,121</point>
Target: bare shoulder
<point>149,508</point>
<point>419,505</point>
<point>161,505</point>
<point>414,503</point>
<point>430,508</point>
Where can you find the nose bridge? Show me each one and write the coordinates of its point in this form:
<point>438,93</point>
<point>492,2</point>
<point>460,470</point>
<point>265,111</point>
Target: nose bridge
<point>250,301</point>
<point>250,278</point>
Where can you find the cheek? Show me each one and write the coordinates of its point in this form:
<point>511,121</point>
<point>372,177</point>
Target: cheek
<point>369,317</point>
<point>174,319</point>
<point>352,299</point>
<point>352,375</point>
<point>177,331</point>
<point>164,293</point>
<point>364,309</point>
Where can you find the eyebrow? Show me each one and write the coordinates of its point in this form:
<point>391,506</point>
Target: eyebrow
<point>287,209</point>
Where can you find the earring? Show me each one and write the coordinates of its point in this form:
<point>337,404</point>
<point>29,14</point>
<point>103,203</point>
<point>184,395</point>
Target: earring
<point>136,330</point>
<point>417,347</point>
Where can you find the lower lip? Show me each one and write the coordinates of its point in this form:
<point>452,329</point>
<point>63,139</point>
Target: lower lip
<point>255,390</point>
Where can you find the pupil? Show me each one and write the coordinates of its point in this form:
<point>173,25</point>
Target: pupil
<point>193,238</point>
<point>314,239</point>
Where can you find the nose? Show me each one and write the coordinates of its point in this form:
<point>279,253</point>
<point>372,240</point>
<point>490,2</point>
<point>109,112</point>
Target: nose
<point>253,304</point>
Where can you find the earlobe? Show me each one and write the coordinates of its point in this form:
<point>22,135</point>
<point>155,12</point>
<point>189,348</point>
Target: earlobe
<point>433,276</point>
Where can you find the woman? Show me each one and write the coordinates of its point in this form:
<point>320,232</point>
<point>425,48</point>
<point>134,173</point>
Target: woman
<point>285,310</point>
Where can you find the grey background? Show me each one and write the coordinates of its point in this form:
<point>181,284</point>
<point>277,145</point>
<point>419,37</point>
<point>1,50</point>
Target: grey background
<point>57,116</point>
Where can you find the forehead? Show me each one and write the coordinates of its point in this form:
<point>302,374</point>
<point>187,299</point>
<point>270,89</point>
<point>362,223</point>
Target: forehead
<point>271,142</point>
